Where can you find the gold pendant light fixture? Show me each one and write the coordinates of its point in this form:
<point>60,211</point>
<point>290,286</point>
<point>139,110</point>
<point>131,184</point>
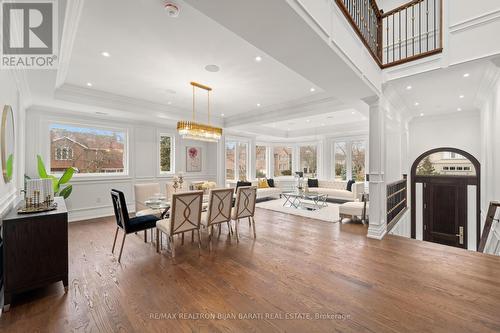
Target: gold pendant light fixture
<point>197,131</point>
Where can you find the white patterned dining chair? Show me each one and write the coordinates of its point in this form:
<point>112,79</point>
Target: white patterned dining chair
<point>244,207</point>
<point>220,202</point>
<point>142,193</point>
<point>185,216</point>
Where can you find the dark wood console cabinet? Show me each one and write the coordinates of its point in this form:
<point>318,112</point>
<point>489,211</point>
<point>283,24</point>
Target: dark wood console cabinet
<point>35,250</point>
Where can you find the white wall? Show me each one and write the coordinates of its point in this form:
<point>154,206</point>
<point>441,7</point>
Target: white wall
<point>9,95</point>
<point>91,197</point>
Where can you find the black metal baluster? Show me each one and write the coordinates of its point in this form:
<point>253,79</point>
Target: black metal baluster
<point>435,32</point>
<point>406,32</point>
<point>420,27</point>
<point>399,28</point>
<point>387,29</point>
<point>393,38</point>
<point>427,23</point>
<point>412,30</point>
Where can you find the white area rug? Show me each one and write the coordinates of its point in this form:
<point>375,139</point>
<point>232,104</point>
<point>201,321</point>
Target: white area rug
<point>328,214</point>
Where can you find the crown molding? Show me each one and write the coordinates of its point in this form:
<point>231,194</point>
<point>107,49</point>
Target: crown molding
<point>287,111</point>
<point>72,17</point>
<point>476,21</point>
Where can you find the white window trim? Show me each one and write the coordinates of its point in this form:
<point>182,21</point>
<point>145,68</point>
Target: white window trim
<point>85,176</point>
<point>237,140</point>
<point>172,154</point>
<point>348,141</point>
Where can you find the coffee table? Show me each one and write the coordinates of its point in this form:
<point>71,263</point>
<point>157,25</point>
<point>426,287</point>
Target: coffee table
<point>305,200</point>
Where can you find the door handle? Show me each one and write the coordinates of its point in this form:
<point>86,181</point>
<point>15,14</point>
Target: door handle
<point>460,235</point>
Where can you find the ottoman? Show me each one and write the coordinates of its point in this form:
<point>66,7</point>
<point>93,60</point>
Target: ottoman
<point>353,209</point>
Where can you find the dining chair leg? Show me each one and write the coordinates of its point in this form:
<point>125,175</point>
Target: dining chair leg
<point>220,228</point>
<point>210,232</point>
<point>145,236</point>
<point>121,248</point>
<point>230,227</point>
<point>236,223</point>
<point>157,240</point>
<point>114,242</point>
<point>199,242</point>
<point>253,223</point>
<point>172,246</point>
<point>249,222</point>
<point>182,242</point>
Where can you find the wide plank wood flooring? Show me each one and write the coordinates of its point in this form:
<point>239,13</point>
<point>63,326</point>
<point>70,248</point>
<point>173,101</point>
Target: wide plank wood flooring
<point>296,269</point>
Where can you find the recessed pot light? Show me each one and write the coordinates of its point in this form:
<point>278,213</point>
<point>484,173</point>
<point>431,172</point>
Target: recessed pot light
<point>169,103</point>
<point>258,105</point>
<point>212,68</point>
<point>106,54</point>
<point>89,84</point>
<point>222,115</point>
<point>312,89</point>
<point>466,75</point>
<point>308,121</point>
<point>417,104</point>
<point>459,109</point>
<point>461,96</point>
<point>409,87</point>
<point>421,115</point>
<point>258,58</point>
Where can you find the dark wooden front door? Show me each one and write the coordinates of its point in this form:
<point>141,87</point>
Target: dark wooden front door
<point>445,211</point>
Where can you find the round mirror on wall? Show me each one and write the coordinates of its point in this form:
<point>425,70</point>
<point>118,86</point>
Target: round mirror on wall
<point>7,143</point>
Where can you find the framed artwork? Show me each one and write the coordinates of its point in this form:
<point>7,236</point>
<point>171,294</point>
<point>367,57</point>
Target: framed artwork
<point>193,159</point>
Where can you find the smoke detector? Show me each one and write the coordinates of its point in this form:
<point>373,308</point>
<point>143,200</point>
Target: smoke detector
<point>172,9</point>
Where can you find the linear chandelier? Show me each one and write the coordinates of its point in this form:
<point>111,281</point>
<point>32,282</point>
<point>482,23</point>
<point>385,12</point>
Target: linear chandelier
<point>190,129</point>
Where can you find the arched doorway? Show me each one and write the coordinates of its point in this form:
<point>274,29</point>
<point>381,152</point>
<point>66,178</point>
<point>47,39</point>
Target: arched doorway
<point>443,178</point>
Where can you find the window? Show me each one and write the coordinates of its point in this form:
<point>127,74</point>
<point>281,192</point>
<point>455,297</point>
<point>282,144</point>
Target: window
<point>166,153</point>
<point>282,157</point>
<point>308,160</point>
<point>242,160</point>
<point>236,160</point>
<point>340,155</point>
<point>438,164</point>
<point>89,150</point>
<point>230,160</point>
<point>260,161</point>
<point>358,149</point>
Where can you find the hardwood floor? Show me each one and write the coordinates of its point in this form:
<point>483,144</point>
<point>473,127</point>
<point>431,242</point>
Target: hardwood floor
<point>296,268</point>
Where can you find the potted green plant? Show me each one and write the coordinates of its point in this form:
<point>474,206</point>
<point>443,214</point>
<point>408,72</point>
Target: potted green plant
<point>59,188</point>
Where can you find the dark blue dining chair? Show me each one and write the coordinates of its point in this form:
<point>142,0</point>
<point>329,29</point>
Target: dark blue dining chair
<point>127,224</point>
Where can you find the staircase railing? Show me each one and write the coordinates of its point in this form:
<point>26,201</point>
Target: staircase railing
<point>409,32</point>
<point>397,200</point>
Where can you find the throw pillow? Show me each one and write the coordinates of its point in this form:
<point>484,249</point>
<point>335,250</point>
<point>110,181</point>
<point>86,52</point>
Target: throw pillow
<point>241,183</point>
<point>263,183</point>
<point>270,182</point>
<point>312,183</point>
<point>349,185</point>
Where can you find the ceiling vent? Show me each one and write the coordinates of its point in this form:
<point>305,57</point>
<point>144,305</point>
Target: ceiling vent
<point>172,9</point>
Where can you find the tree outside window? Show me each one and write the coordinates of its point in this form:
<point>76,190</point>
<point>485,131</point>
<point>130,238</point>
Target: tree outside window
<point>260,162</point>
<point>358,152</point>
<point>340,160</point>
<point>282,157</point>
<point>165,153</point>
<point>308,160</point>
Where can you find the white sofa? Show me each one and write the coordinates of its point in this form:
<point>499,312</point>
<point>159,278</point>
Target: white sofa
<point>336,190</point>
<point>263,193</point>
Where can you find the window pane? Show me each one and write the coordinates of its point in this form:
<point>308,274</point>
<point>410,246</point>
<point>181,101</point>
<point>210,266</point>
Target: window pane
<point>242,160</point>
<point>358,150</point>
<point>308,160</point>
<point>260,162</point>
<point>230,159</point>
<point>340,160</point>
<point>445,164</point>
<point>282,161</point>
<point>165,153</point>
<point>89,150</point>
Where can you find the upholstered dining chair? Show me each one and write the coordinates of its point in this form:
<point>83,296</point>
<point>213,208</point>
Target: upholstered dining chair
<point>127,224</point>
<point>244,207</point>
<point>185,216</point>
<point>142,193</point>
<point>220,203</point>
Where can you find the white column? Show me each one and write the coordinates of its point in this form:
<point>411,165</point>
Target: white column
<point>377,144</point>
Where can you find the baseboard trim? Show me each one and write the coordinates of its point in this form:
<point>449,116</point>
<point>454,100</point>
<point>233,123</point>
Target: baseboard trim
<point>377,231</point>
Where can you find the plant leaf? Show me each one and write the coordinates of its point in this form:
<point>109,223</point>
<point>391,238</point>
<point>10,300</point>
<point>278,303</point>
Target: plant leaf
<point>55,183</point>
<point>42,172</point>
<point>66,192</point>
<point>66,177</point>
<point>10,166</point>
